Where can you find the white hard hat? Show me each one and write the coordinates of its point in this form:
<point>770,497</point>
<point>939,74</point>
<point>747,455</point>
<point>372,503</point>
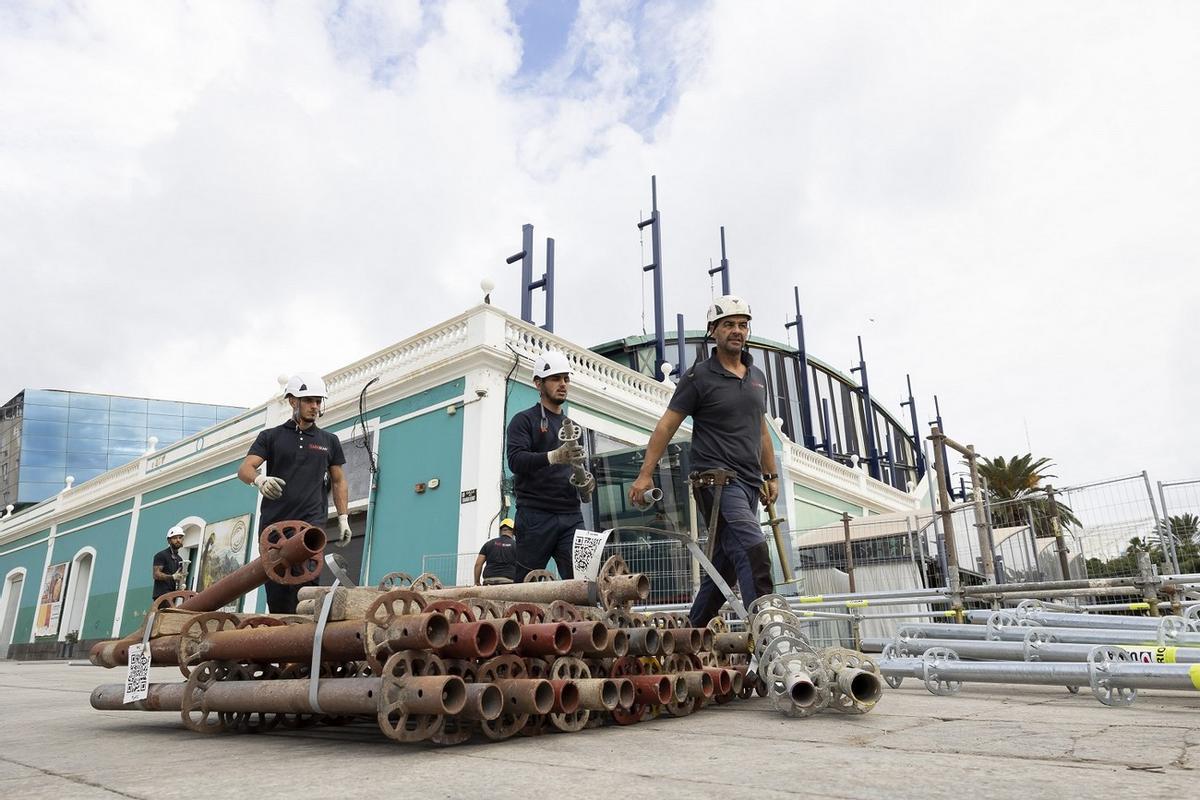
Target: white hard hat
<point>305,384</point>
<point>728,305</point>
<point>174,531</point>
<point>550,363</point>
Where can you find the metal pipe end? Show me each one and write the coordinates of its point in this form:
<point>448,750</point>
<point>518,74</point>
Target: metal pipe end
<point>626,694</point>
<point>666,643</point>
<point>486,640</point>
<point>610,694</point>
<point>562,638</point>
<point>437,630</point>
<point>801,690</point>
<point>543,697</point>
<point>510,634</point>
<point>566,699</point>
<point>489,701</point>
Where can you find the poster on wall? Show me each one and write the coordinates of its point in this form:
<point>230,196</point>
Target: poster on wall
<point>49,608</point>
<point>222,551</point>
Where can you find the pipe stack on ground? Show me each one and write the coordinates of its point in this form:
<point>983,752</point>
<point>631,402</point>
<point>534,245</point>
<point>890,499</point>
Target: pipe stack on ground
<point>426,662</point>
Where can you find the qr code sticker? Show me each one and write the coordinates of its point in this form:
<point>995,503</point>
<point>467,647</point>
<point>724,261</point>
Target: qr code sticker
<point>586,552</point>
<point>137,680</point>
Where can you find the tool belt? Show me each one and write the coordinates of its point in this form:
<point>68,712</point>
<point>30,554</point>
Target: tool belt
<point>711,477</point>
<point>715,479</point>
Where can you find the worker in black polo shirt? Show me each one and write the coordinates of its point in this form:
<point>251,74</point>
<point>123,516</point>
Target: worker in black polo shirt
<point>726,397</point>
<point>497,559</point>
<point>303,464</point>
<point>548,512</point>
<point>168,564</point>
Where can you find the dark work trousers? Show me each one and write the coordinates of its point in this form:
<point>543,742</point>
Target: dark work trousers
<point>741,553</point>
<point>542,534</point>
<point>282,599</point>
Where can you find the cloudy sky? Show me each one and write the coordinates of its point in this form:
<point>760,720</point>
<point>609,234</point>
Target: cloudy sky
<point>1001,198</point>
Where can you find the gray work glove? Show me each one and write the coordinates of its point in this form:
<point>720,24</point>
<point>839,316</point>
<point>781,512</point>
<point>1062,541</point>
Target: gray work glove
<point>271,487</point>
<point>344,532</point>
<point>569,453</point>
<point>178,577</point>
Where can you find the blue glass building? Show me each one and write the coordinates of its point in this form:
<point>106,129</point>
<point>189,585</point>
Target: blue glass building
<point>48,434</point>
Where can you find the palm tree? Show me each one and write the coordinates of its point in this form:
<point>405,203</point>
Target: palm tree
<point>1015,488</point>
<point>1184,527</point>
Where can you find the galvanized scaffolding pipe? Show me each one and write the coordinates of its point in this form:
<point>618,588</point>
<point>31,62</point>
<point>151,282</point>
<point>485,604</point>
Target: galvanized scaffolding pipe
<point>802,604</point>
<point>1018,633</point>
<point>1034,650</point>
<point>1124,674</point>
<point>1068,620</point>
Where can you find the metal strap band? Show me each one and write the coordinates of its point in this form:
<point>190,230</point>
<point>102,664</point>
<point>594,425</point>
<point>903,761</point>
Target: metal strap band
<point>314,670</point>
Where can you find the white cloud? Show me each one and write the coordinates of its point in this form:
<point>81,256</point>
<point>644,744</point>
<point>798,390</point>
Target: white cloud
<point>199,196</point>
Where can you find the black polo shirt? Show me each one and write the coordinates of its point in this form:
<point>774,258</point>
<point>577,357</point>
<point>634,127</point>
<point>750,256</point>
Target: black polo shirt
<point>169,562</point>
<point>727,417</point>
<point>302,458</point>
<point>501,555</point>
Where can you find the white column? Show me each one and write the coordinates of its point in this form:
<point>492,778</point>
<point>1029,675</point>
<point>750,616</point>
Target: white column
<point>482,447</point>
<point>129,542</point>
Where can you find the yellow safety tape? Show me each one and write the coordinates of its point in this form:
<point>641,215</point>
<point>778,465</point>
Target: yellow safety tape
<point>1194,674</point>
<point>856,603</point>
<point>813,598</point>
<point>949,613</point>
<point>1139,606</point>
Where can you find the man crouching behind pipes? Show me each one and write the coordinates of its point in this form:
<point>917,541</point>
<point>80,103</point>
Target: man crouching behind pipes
<point>734,460</point>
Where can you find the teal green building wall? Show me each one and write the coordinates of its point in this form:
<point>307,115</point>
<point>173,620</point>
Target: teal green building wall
<point>33,559</point>
<point>405,525</point>
<point>108,539</point>
<point>229,498</point>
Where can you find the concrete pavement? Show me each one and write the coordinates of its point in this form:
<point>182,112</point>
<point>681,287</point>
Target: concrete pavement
<point>988,742</point>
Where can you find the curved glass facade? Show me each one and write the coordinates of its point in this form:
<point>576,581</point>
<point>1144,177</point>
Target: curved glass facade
<point>832,421</point>
<point>49,434</point>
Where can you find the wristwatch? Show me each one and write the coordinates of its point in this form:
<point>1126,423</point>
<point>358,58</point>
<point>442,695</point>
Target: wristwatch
<point>770,476</point>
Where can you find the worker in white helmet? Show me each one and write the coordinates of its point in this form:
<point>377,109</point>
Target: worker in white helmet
<point>303,463</point>
<point>548,505</point>
<point>732,455</point>
<point>168,564</point>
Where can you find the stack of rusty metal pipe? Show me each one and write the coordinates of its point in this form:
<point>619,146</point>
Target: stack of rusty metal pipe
<point>425,662</point>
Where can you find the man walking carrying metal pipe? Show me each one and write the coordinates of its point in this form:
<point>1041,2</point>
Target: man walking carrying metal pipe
<point>542,464</point>
<point>303,463</point>
<point>732,453</point>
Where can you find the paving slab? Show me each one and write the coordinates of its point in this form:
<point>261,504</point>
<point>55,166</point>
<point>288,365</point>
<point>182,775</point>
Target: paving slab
<point>989,741</point>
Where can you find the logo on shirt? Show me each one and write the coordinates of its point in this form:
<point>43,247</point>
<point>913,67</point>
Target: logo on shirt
<point>320,447</point>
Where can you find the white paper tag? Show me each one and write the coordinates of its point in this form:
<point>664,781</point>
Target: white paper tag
<point>137,679</point>
<point>587,553</point>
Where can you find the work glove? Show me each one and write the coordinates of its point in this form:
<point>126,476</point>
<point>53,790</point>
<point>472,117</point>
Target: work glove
<point>569,453</point>
<point>178,576</point>
<point>344,529</point>
<point>271,487</point>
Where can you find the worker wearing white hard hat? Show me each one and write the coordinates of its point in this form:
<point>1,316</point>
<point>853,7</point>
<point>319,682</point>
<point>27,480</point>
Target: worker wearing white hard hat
<point>731,452</point>
<point>548,504</point>
<point>303,464</point>
<point>168,564</point>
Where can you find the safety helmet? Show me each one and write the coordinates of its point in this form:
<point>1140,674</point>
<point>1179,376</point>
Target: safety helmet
<point>728,305</point>
<point>550,363</point>
<point>174,531</point>
<point>305,384</point>
<point>507,523</point>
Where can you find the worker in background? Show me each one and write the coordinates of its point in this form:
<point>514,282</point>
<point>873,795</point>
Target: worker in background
<point>303,463</point>
<point>497,559</point>
<point>168,564</point>
<point>548,505</point>
<point>726,397</point>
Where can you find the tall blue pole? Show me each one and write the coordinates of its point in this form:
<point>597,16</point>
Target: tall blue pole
<point>868,415</point>
<point>806,431</point>
<point>680,344</point>
<point>526,259</point>
<point>918,450</point>
<point>546,284</point>
<point>655,221</point>
<point>724,268</point>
